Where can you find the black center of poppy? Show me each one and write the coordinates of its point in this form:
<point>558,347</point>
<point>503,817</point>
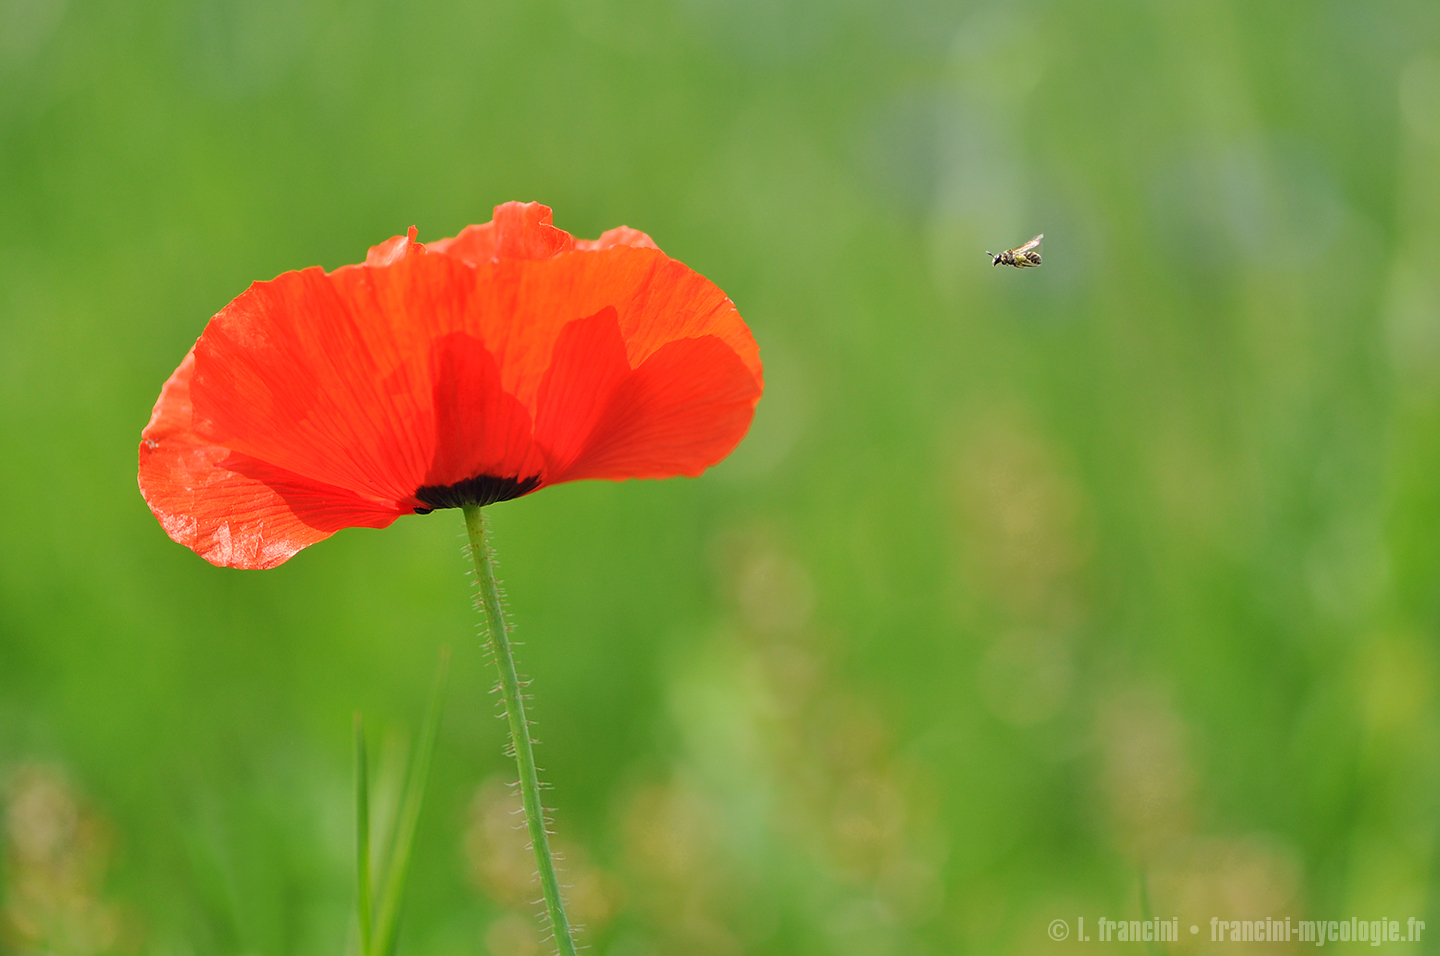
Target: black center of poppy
<point>481,490</point>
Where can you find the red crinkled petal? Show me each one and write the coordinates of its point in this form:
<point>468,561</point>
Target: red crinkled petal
<point>232,510</point>
<point>520,230</point>
<point>475,368</point>
<point>619,236</point>
<point>680,412</point>
<point>479,429</point>
<point>332,377</point>
<point>520,307</point>
<point>390,250</point>
<point>586,366</point>
<point>684,409</point>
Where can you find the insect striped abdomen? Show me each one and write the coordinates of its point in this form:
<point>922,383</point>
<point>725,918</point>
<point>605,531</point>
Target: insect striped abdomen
<point>1022,257</point>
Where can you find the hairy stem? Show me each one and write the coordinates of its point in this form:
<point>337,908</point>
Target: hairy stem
<point>519,729</point>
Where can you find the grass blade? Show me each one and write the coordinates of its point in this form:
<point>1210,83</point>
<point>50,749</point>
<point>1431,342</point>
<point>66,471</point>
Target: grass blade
<point>362,838</point>
<point>387,919</point>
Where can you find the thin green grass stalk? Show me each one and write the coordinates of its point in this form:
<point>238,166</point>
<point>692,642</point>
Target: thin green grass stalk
<point>519,729</point>
<point>385,797</point>
<point>362,837</point>
<point>388,917</point>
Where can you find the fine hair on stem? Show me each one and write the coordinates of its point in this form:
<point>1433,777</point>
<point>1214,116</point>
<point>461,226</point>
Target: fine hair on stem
<point>493,613</point>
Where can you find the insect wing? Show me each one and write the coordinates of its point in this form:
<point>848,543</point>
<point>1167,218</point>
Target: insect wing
<point>1023,257</point>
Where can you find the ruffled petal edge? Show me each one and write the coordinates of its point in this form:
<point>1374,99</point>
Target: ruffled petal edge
<point>232,510</point>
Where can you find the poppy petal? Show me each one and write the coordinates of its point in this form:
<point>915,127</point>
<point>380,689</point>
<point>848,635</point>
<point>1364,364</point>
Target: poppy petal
<point>680,412</point>
<point>232,510</point>
<point>619,236</point>
<point>329,376</point>
<point>479,430</point>
<point>391,249</point>
<point>519,309</point>
<point>520,230</point>
<point>588,362</point>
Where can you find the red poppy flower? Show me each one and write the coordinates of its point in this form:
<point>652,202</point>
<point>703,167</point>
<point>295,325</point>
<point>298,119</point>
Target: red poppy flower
<point>469,370</point>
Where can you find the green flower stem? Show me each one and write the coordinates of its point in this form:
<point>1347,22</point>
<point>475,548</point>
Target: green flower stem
<point>519,729</point>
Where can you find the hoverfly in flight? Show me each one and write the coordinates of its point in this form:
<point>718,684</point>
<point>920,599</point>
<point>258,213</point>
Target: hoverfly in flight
<point>1022,258</point>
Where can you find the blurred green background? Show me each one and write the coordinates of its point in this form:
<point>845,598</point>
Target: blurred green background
<point>1025,590</point>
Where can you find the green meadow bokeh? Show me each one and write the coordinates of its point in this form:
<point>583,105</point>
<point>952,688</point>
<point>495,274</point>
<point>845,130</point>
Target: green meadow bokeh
<point>1027,589</point>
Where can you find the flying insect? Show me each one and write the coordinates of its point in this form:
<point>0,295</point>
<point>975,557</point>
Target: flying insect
<point>1021,258</point>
